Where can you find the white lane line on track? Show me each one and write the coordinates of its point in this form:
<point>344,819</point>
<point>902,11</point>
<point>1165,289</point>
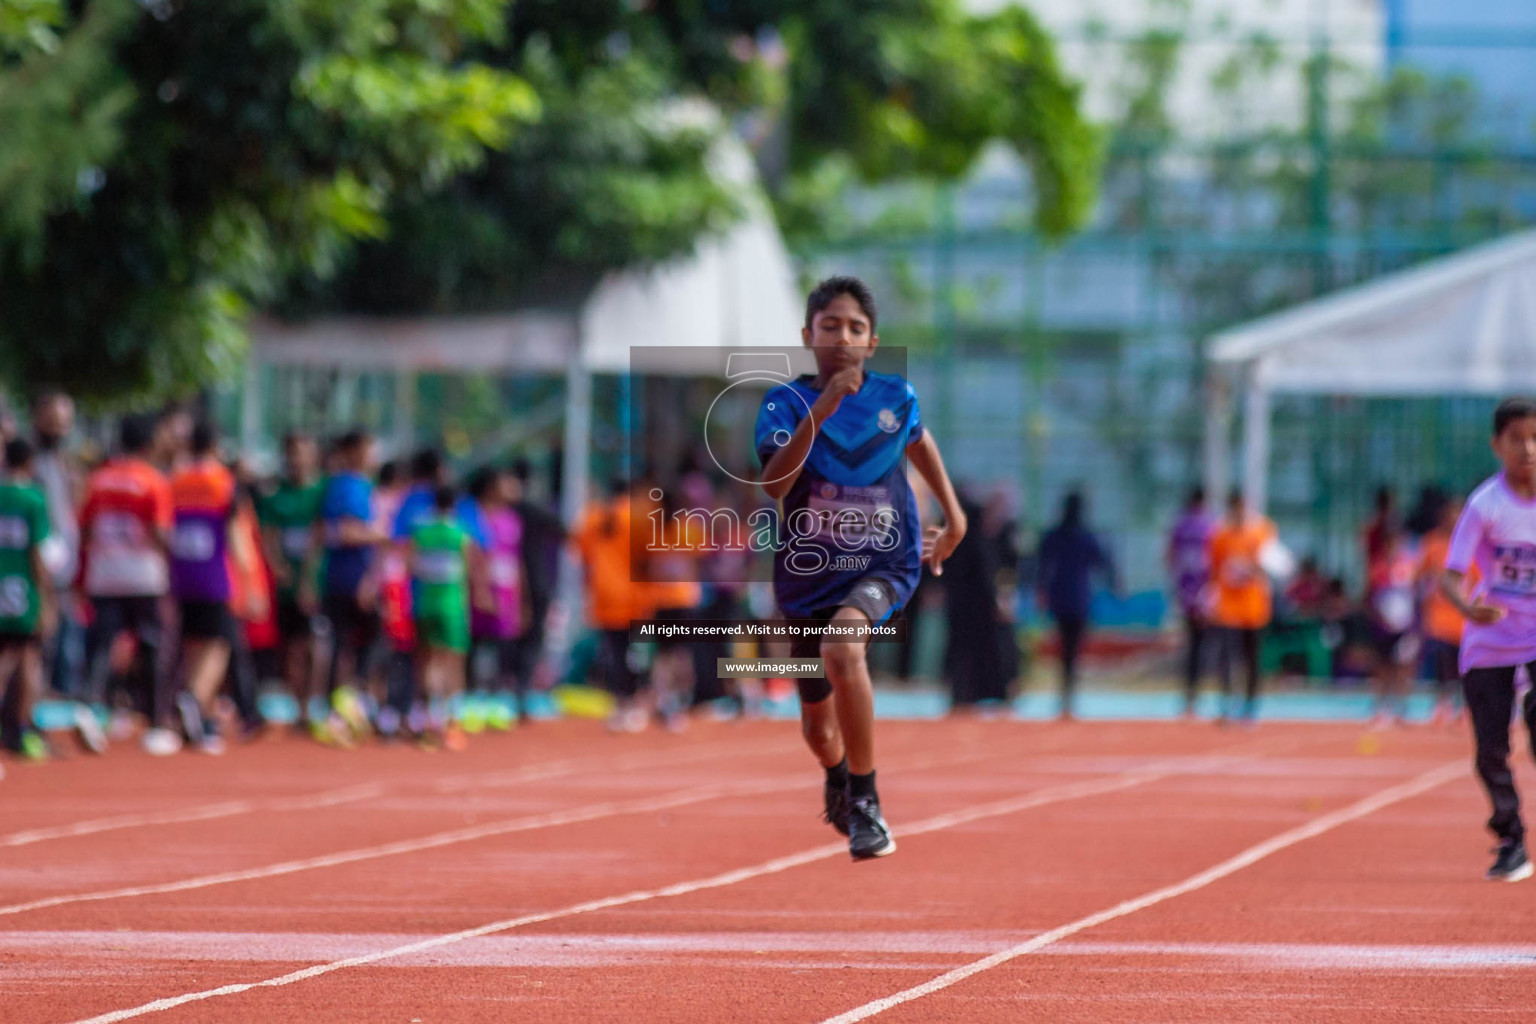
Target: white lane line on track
<point>525,823</point>
<point>94,950</point>
<point>206,812</point>
<point>528,823</point>
<point>1126,780</point>
<point>368,791</point>
<point>1316,827</point>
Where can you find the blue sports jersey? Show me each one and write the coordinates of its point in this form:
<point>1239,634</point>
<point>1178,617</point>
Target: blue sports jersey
<point>420,506</point>
<point>850,514</point>
<point>346,496</point>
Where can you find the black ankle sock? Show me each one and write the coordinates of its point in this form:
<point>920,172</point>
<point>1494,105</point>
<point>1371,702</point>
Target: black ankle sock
<point>861,785</point>
<point>837,775</point>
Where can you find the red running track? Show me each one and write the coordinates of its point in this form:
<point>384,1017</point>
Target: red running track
<point>1096,872</point>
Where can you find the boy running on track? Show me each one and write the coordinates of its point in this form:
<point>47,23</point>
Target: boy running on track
<point>26,594</point>
<point>832,450</point>
<point>440,552</point>
<point>1497,534</point>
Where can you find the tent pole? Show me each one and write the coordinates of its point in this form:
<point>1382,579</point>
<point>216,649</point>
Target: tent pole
<point>405,411</point>
<point>250,405</point>
<point>578,440</point>
<point>567,615</point>
<point>1218,435</point>
<point>1255,444</point>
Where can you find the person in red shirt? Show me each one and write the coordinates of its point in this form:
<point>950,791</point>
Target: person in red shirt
<point>125,529</point>
<point>1390,607</point>
<point>1380,531</point>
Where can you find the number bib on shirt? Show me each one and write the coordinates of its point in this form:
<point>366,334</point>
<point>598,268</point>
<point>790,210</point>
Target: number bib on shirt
<point>1394,605</point>
<point>503,569</point>
<point>439,567</point>
<point>14,533</point>
<point>193,542</point>
<point>15,597</point>
<point>295,543</point>
<point>119,528</point>
<point>851,518</point>
<point>1238,572</point>
<point>1514,570</point>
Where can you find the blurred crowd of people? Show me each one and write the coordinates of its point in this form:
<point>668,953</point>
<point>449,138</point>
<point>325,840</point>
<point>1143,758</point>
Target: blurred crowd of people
<point>154,588</point>
<point>1237,588</point>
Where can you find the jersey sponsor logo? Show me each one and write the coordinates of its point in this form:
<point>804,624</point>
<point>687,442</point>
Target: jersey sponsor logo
<point>849,518</point>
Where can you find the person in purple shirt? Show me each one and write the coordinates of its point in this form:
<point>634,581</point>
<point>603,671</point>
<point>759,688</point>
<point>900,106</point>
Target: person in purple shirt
<point>1189,565</point>
<point>497,622</point>
<point>203,496</point>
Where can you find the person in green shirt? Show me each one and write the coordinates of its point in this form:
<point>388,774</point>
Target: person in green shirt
<point>440,554</point>
<point>288,514</point>
<point>26,602</point>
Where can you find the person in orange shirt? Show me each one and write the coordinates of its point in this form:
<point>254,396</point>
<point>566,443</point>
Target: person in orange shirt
<point>603,542</point>
<point>1442,623</point>
<point>1239,597</point>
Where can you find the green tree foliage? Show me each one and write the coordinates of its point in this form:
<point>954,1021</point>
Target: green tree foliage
<point>613,174</point>
<point>828,92</point>
<point>173,163</point>
<point>170,165</point>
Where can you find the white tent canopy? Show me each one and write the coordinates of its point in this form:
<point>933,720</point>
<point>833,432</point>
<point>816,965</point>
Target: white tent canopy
<point>1463,324</point>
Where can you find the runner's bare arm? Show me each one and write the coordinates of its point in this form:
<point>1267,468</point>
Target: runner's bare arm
<point>783,468</point>
<point>1476,611</point>
<point>938,544</point>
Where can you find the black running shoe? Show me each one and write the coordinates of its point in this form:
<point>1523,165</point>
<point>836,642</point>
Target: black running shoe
<point>834,801</point>
<point>1512,864</point>
<point>868,834</point>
